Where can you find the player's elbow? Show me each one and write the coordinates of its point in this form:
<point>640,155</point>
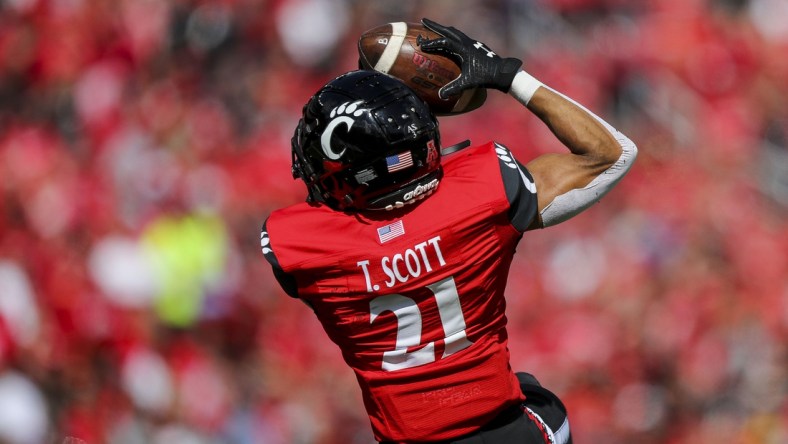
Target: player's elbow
<point>611,151</point>
<point>600,156</point>
<point>599,177</point>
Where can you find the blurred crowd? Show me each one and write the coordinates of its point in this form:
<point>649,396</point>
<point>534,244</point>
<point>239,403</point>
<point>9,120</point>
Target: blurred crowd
<point>143,143</point>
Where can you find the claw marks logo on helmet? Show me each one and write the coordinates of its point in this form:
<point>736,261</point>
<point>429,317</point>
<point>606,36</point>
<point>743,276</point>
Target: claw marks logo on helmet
<point>341,115</point>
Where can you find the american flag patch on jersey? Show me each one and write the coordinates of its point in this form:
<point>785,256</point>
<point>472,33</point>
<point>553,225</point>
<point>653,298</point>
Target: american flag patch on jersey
<point>399,161</point>
<point>391,231</point>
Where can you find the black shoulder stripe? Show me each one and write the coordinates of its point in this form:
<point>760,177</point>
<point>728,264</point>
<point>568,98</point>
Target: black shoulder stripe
<point>520,189</point>
<point>286,280</point>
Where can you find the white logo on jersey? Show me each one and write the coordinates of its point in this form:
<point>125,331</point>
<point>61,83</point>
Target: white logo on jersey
<point>348,109</point>
<point>506,157</point>
<point>265,242</point>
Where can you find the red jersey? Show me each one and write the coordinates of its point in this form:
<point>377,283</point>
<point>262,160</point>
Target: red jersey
<point>414,298</point>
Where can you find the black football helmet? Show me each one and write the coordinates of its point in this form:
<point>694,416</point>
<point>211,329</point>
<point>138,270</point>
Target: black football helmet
<point>366,141</point>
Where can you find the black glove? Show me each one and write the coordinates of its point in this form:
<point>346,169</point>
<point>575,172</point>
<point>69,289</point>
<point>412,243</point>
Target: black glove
<point>479,65</point>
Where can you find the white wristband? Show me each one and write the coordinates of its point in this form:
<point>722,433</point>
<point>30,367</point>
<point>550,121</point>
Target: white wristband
<point>524,87</point>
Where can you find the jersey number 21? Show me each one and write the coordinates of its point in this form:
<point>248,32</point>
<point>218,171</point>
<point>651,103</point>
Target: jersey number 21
<point>409,326</point>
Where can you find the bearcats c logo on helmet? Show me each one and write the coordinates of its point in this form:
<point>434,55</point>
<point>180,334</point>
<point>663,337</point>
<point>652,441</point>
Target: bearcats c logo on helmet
<point>325,138</point>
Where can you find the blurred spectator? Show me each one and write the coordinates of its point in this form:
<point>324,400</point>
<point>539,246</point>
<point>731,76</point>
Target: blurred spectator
<point>23,410</point>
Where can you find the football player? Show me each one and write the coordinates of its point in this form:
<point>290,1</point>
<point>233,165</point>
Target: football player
<point>402,251</point>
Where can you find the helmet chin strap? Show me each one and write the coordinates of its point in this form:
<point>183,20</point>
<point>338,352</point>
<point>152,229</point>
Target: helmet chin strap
<point>456,147</point>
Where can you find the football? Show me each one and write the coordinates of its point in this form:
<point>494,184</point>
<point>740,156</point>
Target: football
<point>393,49</point>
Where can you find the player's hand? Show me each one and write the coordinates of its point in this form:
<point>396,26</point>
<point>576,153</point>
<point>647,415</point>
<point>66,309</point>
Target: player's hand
<point>480,66</point>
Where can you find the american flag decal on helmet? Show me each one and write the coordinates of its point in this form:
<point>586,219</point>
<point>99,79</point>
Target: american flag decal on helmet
<point>399,161</point>
<point>391,231</point>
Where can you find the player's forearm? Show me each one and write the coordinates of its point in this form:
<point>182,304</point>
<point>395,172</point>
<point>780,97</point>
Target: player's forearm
<point>582,132</point>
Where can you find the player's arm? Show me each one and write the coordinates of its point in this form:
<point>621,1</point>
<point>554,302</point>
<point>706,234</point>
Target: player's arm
<point>599,155</point>
<point>566,183</point>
